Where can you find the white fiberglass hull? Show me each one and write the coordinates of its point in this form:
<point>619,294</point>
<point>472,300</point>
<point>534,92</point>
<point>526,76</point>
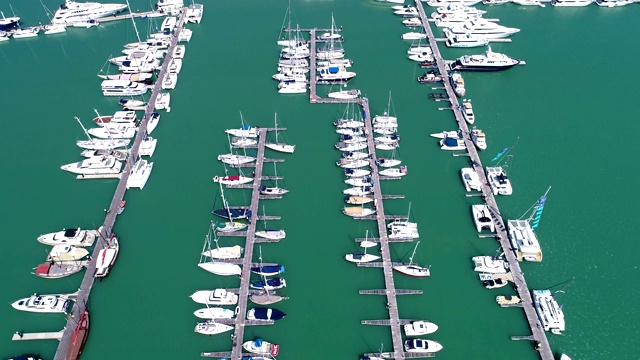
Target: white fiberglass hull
<point>215,297</point>
<point>289,149</point>
<point>214,313</point>
<point>212,328</point>
<point>221,268</point>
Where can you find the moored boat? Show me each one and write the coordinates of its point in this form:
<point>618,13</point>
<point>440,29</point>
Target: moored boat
<point>470,179</point>
<point>482,217</point>
<point>488,264</point>
<point>43,303</point>
<point>420,345</point>
<point>210,327</point>
<point>265,314</point>
<point>215,297</point>
<point>56,270</point>
<point>420,327</point>
<point>499,181</point>
<point>259,346</point>
<point>71,236</point>
<point>214,313</point>
<point>67,253</point>
<point>107,257</point>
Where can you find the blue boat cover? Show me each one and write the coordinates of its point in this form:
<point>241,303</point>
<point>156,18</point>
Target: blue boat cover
<point>450,141</point>
<point>257,342</point>
<point>269,269</point>
<point>333,70</point>
<point>245,127</point>
<point>263,314</point>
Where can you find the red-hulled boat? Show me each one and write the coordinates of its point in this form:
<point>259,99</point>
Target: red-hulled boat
<point>79,337</point>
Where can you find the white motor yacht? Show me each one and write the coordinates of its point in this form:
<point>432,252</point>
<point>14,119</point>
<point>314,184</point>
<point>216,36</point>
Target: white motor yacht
<point>123,88</point>
<point>215,297</point>
<point>455,7</point>
<point>72,11</point>
<point>482,27</point>
<point>499,181</point>
<point>139,174</point>
<point>178,52</point>
<point>418,328</point>
<point>106,258</point>
<point>71,236</point>
<point>479,138</point>
<point>482,218</point>
<point>420,345</point>
<point>457,83</point>
<point>26,32</point>
<point>120,155</point>
<point>335,73</point>
<point>467,112</point>
<point>572,3</point>
<point>524,240</point>
<point>96,165</point>
<point>466,40</point>
<point>470,179</point>
<point>345,94</point>
<point>488,61</point>
<point>489,264</point>
<point>43,303</point>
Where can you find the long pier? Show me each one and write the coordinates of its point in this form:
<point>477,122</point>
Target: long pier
<point>112,213</point>
<point>387,267</point>
<point>539,336</point>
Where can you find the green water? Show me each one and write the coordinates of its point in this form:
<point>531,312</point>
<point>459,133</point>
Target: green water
<point>568,106</point>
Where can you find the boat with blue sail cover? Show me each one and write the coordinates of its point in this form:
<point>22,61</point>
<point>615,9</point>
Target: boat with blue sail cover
<point>269,284</point>
<point>265,314</point>
<point>268,270</point>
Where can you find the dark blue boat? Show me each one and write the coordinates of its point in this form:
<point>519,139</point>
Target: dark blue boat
<point>233,213</point>
<point>268,270</point>
<point>265,314</point>
<point>271,284</point>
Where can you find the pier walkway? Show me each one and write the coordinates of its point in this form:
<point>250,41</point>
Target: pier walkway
<point>387,267</point>
<point>539,336</point>
<point>112,213</point>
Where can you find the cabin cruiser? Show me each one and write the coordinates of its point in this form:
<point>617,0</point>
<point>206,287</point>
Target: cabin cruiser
<point>345,94</point>
<point>571,2</point>
<point>122,88</point>
<point>72,236</point>
<point>335,73</point>
<point>215,297</point>
<point>139,174</point>
<point>72,11</point>
<point>483,218</point>
<point>119,117</point>
<point>265,314</point>
<point>482,27</point>
<point>96,165</point>
<point>524,240</point>
<point>418,328</point>
<point>56,270</point>
<point>549,313</point>
<point>494,281</point>
<point>488,264</point>
<point>259,346</point>
<point>488,61</point>
<point>457,83</point>
<point>26,32</point>
<point>499,181</point>
<point>429,77</point>
<point>425,56</point>
<point>43,303</point>
<point>466,40</point>
<point>471,179</point>
<point>292,87</point>
<point>64,253</point>
<point>419,345</point>
<point>467,111</point>
<point>479,138</point>
<point>455,7</point>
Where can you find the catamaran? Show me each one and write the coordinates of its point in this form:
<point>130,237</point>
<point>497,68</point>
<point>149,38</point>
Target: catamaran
<point>550,314</point>
<point>522,233</point>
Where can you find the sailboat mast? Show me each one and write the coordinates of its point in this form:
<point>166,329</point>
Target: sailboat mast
<point>134,22</point>
<point>84,129</point>
<point>224,203</point>
<point>414,253</point>
<point>275,121</point>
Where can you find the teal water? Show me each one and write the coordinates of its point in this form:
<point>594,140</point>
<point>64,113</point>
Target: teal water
<point>569,107</point>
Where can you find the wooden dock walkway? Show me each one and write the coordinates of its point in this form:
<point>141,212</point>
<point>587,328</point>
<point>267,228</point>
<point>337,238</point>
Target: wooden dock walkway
<point>19,336</point>
<point>245,278</point>
<point>392,304</point>
<point>313,97</point>
<point>539,336</point>
<point>112,213</point>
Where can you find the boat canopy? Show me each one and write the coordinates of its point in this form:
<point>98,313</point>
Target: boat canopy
<point>448,141</point>
<point>71,232</point>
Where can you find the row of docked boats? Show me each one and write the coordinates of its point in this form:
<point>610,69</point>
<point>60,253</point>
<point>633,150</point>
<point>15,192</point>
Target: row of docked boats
<point>225,260</point>
<point>523,241</point>
<point>357,168</point>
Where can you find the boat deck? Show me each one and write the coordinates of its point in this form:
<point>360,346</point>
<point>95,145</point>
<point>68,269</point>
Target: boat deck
<point>112,213</point>
<point>539,336</point>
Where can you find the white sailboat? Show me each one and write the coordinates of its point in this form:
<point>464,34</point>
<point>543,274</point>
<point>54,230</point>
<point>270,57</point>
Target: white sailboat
<point>232,179</point>
<point>273,190</point>
<point>100,144</point>
<point>278,146</point>
<point>273,234</point>
<point>412,269</point>
<point>229,252</point>
<point>363,256</point>
<point>235,159</point>
<point>210,327</point>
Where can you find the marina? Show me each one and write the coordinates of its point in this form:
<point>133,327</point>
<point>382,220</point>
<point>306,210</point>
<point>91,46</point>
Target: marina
<point>173,206</point>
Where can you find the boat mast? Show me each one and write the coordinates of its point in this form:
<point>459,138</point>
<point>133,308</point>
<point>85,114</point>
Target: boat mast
<point>134,22</point>
<point>414,253</point>
<point>224,204</point>
<point>275,120</point>
<point>84,129</point>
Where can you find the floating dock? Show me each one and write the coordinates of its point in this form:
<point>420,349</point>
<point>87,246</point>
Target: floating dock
<point>539,336</point>
<point>20,336</point>
<point>112,213</point>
